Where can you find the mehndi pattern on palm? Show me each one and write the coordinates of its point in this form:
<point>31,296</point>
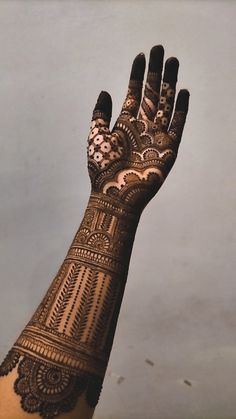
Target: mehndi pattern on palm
<point>131,162</point>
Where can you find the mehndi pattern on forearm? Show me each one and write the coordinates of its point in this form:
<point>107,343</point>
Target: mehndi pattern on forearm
<point>51,390</point>
<point>103,240</point>
<point>68,340</point>
<point>64,349</point>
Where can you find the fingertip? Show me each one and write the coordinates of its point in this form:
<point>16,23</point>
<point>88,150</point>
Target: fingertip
<point>158,48</point>
<point>104,104</point>
<point>171,70</point>
<point>182,101</point>
<point>156,58</point>
<point>138,67</point>
<point>104,96</point>
<point>172,62</point>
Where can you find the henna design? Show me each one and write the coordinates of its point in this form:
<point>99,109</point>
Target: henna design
<point>10,361</point>
<point>167,96</point>
<point>131,103</point>
<point>165,106</point>
<point>64,349</point>
<point>151,98</point>
<point>47,389</point>
<point>101,148</point>
<point>146,150</point>
<point>134,94</point>
<point>51,390</point>
<point>146,156</point>
<point>151,95</point>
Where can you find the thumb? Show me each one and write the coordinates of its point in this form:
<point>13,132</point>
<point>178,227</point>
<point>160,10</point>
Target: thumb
<point>103,109</point>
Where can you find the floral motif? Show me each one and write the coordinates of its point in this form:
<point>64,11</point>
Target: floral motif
<point>99,241</point>
<point>51,390</point>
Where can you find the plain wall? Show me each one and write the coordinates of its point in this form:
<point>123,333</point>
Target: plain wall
<point>178,318</point>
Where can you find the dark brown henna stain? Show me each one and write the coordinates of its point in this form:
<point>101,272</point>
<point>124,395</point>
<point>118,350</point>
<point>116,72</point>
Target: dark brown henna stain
<point>64,349</point>
<point>136,169</point>
<point>9,362</point>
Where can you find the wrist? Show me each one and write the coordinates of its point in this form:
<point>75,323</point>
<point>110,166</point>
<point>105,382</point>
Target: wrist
<point>106,234</point>
<point>115,206</point>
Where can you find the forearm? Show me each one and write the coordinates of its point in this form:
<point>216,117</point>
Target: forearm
<point>72,330</point>
<point>59,360</point>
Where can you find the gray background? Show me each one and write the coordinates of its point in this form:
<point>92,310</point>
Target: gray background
<point>179,309</point>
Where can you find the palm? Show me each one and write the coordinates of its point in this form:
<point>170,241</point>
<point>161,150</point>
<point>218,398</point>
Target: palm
<point>132,161</point>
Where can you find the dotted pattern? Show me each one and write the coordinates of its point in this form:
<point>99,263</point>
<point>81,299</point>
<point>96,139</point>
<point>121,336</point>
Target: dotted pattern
<point>103,148</point>
<point>165,105</point>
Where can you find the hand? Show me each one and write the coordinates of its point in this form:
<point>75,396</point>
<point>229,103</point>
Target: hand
<point>131,162</point>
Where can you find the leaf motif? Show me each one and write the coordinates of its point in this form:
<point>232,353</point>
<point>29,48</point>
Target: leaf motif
<point>93,279</point>
<point>64,297</point>
<point>105,314</point>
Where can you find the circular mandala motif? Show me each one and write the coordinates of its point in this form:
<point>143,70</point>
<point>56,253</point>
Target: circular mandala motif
<point>131,177</point>
<point>48,384</point>
<point>150,154</point>
<point>51,390</point>
<point>23,386</point>
<point>32,404</point>
<point>99,241</point>
<point>52,381</point>
<point>113,191</point>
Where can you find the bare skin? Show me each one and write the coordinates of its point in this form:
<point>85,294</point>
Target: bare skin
<point>57,365</point>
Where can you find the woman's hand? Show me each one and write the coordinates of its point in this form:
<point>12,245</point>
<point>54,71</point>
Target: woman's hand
<point>131,162</point>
